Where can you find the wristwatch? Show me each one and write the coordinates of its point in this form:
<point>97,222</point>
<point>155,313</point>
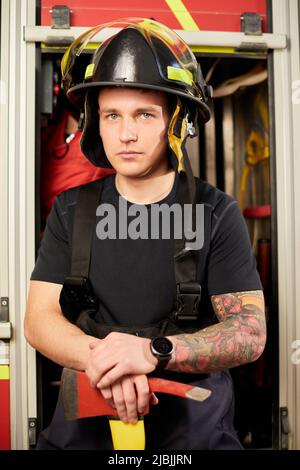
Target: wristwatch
<point>162,348</point>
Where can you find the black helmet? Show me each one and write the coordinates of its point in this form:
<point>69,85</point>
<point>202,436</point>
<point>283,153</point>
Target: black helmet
<point>143,54</point>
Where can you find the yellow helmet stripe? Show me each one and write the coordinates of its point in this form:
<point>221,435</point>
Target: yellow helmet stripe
<point>89,71</point>
<point>175,73</point>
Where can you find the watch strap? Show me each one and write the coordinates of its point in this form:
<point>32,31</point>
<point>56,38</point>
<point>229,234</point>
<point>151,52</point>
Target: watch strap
<point>162,362</point>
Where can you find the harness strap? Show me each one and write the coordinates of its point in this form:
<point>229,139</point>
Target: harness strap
<point>188,290</point>
<point>77,293</point>
<point>84,227</point>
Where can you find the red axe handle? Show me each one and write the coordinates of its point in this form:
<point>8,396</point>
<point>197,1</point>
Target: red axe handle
<point>80,400</point>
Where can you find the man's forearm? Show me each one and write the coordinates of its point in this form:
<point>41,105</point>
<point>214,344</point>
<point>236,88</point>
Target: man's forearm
<point>60,341</point>
<point>48,331</point>
<point>238,338</point>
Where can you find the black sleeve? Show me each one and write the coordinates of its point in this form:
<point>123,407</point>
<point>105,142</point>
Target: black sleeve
<point>53,262</point>
<point>231,263</point>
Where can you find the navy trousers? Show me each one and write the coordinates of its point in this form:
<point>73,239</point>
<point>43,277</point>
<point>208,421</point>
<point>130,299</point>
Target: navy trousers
<point>174,424</point>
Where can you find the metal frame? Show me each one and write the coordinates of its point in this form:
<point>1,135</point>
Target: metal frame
<point>273,324</point>
<point>196,38</point>
<point>286,70</point>
<point>30,179</point>
<point>17,204</point>
<point>3,151</point>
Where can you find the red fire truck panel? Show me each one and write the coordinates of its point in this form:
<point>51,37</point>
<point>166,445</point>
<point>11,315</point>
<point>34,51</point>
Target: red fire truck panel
<point>213,15</point>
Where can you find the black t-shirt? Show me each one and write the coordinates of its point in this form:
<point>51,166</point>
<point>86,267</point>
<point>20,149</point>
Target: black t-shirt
<point>134,279</point>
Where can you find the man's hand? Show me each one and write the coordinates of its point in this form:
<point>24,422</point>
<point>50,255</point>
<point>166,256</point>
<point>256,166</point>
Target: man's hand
<point>116,356</point>
<point>130,396</point>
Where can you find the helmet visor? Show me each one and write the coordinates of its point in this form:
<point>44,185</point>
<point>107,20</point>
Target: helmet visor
<point>176,62</point>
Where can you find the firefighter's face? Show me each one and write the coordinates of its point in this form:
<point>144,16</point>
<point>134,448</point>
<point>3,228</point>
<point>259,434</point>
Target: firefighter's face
<point>133,127</point>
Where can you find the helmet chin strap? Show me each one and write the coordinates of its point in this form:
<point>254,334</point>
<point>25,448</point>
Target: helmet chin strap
<point>179,129</point>
<point>176,134</point>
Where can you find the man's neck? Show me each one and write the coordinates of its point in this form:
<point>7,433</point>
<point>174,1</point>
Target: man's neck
<point>145,190</point>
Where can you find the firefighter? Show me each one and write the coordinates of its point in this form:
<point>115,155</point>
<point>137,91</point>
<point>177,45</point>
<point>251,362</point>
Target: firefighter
<point>185,307</point>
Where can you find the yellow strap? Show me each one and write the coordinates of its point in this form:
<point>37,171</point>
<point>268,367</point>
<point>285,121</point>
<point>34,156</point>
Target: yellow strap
<point>174,141</point>
<point>256,148</point>
<point>183,15</point>
<point>4,372</point>
<point>262,107</point>
<point>256,152</point>
<point>127,436</point>
<point>244,178</point>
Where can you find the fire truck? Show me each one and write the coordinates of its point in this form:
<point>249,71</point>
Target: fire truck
<point>249,52</point>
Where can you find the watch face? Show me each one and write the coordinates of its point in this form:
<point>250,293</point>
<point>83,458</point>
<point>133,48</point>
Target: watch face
<point>162,345</point>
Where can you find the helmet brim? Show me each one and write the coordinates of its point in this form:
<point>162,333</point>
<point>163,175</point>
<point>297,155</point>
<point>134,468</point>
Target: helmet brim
<point>77,94</point>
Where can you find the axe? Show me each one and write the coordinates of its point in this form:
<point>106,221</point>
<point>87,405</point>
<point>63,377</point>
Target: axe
<point>80,400</point>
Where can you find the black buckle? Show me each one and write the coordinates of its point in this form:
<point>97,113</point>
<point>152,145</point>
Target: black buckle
<point>188,298</point>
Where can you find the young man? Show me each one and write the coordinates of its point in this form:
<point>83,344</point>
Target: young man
<point>140,92</point>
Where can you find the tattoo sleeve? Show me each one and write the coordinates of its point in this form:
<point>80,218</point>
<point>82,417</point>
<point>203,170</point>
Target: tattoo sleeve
<point>238,338</point>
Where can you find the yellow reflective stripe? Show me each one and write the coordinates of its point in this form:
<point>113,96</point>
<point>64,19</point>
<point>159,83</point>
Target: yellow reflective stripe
<point>89,71</point>
<point>4,372</point>
<point>175,73</point>
<point>183,15</point>
<point>221,50</point>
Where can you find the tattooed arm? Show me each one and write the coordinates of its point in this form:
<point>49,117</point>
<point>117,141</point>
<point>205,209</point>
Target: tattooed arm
<point>238,338</point>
